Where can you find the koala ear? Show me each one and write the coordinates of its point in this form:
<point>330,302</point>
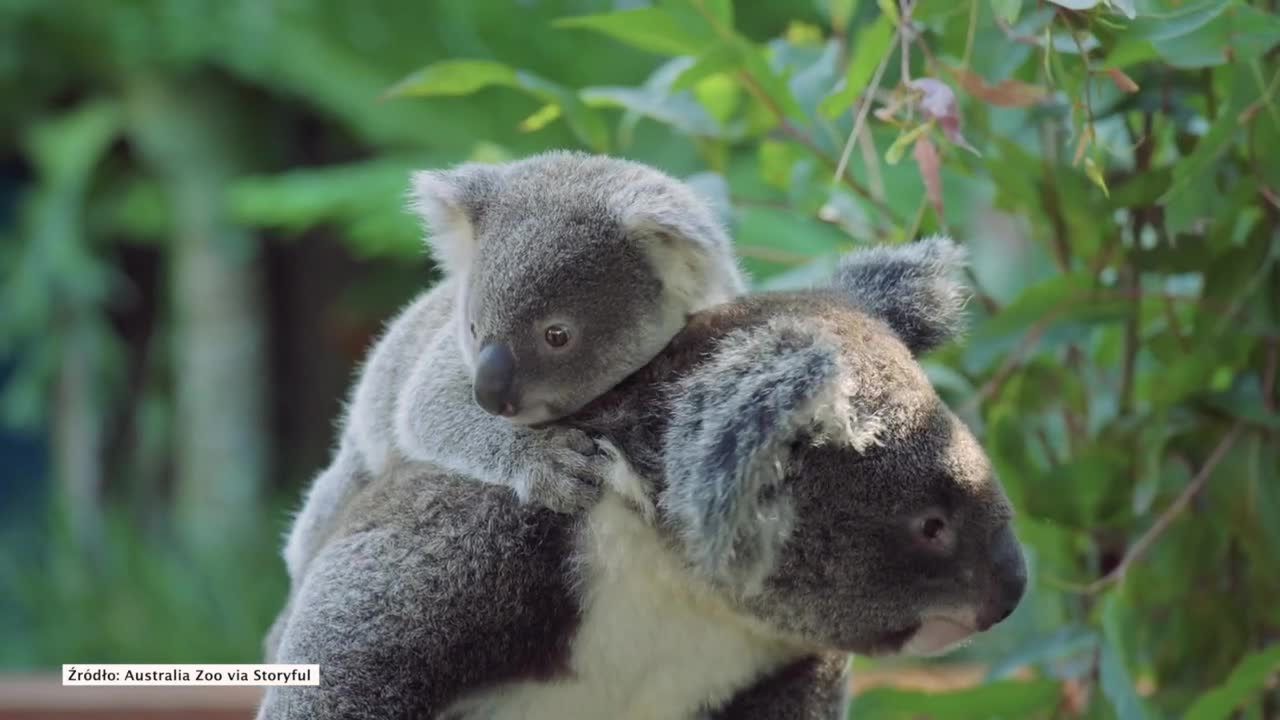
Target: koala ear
<point>690,250</point>
<point>733,423</point>
<point>915,289</point>
<point>450,202</point>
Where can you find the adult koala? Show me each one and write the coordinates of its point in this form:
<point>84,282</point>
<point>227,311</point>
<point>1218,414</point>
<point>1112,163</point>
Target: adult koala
<point>792,490</point>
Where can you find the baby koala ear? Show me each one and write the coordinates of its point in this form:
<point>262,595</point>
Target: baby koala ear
<point>915,289</point>
<point>733,423</point>
<point>450,202</point>
<point>688,246</point>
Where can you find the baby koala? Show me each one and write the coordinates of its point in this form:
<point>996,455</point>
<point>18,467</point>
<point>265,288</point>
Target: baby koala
<point>564,273</point>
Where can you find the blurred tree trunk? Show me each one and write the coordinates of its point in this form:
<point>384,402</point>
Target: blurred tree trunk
<point>77,436</point>
<point>215,284</point>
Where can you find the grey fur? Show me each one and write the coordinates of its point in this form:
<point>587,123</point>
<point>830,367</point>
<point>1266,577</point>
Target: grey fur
<point>616,249</point>
<point>436,589</point>
<point>726,447</point>
<point>914,288</point>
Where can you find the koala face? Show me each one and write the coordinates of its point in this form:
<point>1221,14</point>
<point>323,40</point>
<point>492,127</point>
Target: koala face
<point>813,473</point>
<point>902,545</point>
<point>547,336</point>
<point>574,271</point>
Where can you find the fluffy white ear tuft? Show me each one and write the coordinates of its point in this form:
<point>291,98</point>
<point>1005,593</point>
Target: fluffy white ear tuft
<point>449,202</point>
<point>690,251</point>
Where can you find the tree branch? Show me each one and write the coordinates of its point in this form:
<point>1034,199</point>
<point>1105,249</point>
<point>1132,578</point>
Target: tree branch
<point>1162,523</point>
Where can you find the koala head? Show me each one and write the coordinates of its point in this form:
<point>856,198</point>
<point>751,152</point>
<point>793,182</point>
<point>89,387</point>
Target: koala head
<point>573,271</point>
<point>811,472</point>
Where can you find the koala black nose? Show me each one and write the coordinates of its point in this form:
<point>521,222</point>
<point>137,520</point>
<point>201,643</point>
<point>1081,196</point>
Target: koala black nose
<point>1009,571</point>
<point>495,374</point>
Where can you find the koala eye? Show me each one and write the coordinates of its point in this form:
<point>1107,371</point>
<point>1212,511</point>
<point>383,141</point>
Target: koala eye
<point>557,336</point>
<point>933,531</point>
<point>933,527</point>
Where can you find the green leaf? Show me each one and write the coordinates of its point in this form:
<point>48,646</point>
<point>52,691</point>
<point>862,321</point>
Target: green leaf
<point>840,12</point>
<point>1242,33</point>
<point>1184,20</point>
<point>364,198</point>
<point>1076,4</point>
<point>655,100</point>
<point>1117,685</point>
<point>1141,189</point>
<point>543,117</point>
<point>873,42</point>
<point>776,160</point>
<point>773,86</point>
<point>651,29</point>
<point>1046,650</point>
<point>890,10</point>
<point>1130,51</point>
<point>1249,678</point>
<point>719,59</point>
<point>588,126</point>
<point>1009,698</point>
<point>1007,10</point>
<point>899,147</point>
<point>66,148</point>
<point>1125,7</point>
<point>1193,184</point>
<point>720,95</point>
<point>454,77</point>
<point>720,10</point>
<point>1094,173</point>
<point>810,275</point>
<point>463,77</point>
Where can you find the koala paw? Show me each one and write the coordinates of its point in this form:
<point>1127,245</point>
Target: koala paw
<point>562,470</point>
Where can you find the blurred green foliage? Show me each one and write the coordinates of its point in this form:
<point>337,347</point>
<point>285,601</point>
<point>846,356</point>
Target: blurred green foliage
<point>1111,164</point>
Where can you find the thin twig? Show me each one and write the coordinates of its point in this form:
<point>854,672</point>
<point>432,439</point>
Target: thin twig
<point>1171,513</point>
<point>871,160</point>
<point>1132,338</point>
<point>863,109</point>
<point>788,129</point>
<point>970,33</point>
<point>1269,375</point>
<point>1028,343</point>
<point>904,21</point>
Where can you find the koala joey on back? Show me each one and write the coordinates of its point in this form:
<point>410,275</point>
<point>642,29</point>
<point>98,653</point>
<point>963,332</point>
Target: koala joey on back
<point>564,273</point>
<point>787,488</point>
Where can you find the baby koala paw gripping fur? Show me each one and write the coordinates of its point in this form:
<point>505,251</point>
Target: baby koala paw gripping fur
<point>560,469</point>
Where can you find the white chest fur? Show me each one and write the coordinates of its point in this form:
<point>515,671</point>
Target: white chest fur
<point>654,642</point>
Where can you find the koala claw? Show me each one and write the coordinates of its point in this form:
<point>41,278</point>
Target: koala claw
<point>564,471</point>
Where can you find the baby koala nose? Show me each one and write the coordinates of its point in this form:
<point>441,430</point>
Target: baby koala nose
<point>495,374</point>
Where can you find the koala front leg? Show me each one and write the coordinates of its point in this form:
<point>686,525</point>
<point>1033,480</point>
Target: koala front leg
<point>814,688</point>
<point>438,421</point>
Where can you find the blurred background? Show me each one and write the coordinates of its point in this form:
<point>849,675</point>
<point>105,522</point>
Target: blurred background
<point>202,229</point>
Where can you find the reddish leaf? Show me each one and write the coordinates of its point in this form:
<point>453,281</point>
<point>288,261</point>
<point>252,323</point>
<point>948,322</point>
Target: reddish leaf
<point>1122,81</point>
<point>1008,93</point>
<point>1082,144</point>
<point>938,103</point>
<point>930,164</point>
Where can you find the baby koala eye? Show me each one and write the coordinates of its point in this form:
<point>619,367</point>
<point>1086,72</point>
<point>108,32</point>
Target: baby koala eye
<point>557,336</point>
